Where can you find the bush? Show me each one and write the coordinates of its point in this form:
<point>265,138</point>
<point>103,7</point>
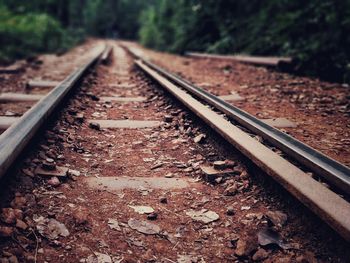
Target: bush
<point>316,32</point>
<point>29,34</point>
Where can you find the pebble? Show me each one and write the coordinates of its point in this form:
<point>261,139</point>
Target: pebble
<point>163,200</point>
<point>81,217</point>
<point>79,117</point>
<point>168,118</point>
<point>152,216</point>
<point>95,126</point>
<point>230,211</point>
<point>231,190</point>
<point>277,218</point>
<point>245,246</point>
<point>73,172</point>
<point>244,175</point>
<point>21,225</point>
<point>221,165</point>
<point>18,202</point>
<point>200,138</point>
<point>8,216</point>
<point>6,231</point>
<point>219,180</point>
<point>54,181</point>
<point>169,175</point>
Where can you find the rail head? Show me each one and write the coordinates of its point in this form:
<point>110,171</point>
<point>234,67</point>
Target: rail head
<point>280,62</point>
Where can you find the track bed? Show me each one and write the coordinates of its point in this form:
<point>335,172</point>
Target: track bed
<point>139,194</point>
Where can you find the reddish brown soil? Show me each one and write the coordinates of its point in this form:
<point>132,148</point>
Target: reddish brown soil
<point>122,152</point>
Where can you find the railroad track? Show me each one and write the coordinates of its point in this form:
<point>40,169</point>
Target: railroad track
<point>18,131</point>
<point>129,151</point>
<point>283,63</point>
<point>328,205</point>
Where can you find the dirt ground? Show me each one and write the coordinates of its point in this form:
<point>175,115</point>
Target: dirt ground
<point>139,195</point>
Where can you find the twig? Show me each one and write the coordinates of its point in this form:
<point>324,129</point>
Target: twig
<point>169,260</point>
<point>37,246</point>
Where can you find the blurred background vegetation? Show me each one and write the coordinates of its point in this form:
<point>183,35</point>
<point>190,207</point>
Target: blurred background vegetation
<point>316,32</point>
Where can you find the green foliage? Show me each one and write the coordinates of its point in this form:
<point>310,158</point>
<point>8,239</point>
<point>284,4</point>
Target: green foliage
<point>23,35</point>
<point>315,32</point>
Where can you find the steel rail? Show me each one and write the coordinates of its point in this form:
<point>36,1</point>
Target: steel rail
<point>106,54</point>
<point>17,137</point>
<point>264,61</point>
<point>322,165</point>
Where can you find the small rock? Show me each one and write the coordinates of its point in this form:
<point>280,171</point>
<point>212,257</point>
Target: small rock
<point>21,225</point>
<point>95,126</point>
<point>81,216</point>
<point>245,246</point>
<point>168,118</point>
<point>54,181</point>
<point>50,160</point>
<point>219,180</point>
<point>79,117</point>
<point>169,175</point>
<point>210,174</point>
<point>114,224</point>
<point>244,175</point>
<point>6,231</point>
<point>260,255</point>
<point>231,190</point>
<point>277,218</point>
<point>222,165</point>
<point>73,172</point>
<point>163,200</point>
<point>8,216</point>
<point>152,216</point>
<point>230,211</point>
<point>199,138</point>
<point>18,202</point>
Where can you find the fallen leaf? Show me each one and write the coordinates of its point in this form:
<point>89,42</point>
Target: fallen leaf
<point>113,224</point>
<point>142,209</point>
<point>143,226</point>
<point>269,237</point>
<point>51,228</point>
<point>99,258</point>
<point>203,215</point>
